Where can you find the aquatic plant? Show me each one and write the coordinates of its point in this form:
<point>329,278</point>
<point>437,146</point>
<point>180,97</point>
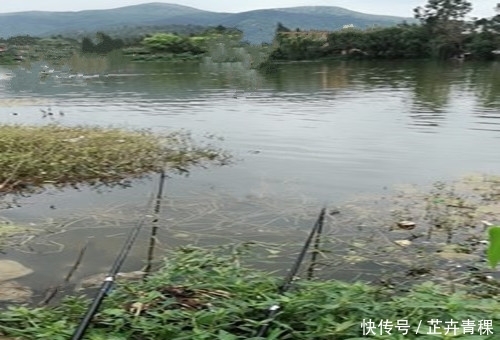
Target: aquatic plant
<point>34,156</point>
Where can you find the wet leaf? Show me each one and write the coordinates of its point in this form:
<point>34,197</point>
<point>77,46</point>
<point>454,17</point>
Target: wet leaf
<point>494,247</point>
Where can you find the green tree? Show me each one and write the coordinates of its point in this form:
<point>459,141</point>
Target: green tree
<point>484,37</point>
<point>172,43</point>
<point>22,40</point>
<point>220,28</point>
<point>282,28</point>
<point>442,11</point>
<point>87,45</point>
<point>445,21</point>
<point>104,44</point>
<point>346,40</point>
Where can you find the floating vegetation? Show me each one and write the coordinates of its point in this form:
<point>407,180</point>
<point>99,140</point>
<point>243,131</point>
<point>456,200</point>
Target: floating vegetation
<point>33,156</point>
<point>195,218</point>
<point>363,239</point>
<point>15,234</point>
<point>416,234</point>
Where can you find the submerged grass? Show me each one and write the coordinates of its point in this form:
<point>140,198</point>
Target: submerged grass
<point>212,294</point>
<point>32,156</point>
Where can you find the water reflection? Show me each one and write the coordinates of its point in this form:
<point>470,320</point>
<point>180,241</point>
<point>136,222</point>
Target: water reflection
<point>486,79</point>
<point>488,120</point>
<point>354,121</point>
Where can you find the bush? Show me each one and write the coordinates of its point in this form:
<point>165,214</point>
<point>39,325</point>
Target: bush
<point>172,43</point>
<point>208,294</point>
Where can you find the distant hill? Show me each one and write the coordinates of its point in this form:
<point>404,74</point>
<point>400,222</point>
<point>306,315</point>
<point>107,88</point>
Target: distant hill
<point>258,26</point>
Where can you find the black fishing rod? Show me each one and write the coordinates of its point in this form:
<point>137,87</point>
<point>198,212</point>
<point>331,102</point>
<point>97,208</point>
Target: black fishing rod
<point>110,278</point>
<point>315,252</point>
<point>154,229</point>
<point>273,310</point>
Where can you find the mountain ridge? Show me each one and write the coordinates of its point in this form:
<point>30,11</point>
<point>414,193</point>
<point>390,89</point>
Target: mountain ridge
<point>258,25</point>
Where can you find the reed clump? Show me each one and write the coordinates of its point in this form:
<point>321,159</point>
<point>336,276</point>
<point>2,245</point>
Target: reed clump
<point>33,156</point>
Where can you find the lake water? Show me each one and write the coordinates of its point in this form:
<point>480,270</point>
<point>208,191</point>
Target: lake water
<point>309,134</point>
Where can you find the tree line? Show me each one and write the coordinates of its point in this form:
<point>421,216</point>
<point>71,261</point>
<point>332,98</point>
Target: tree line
<point>162,42</point>
<point>104,44</point>
<point>442,33</point>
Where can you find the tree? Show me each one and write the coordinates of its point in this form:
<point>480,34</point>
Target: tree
<point>104,44</point>
<point>281,28</point>
<point>172,43</point>
<point>442,11</point>
<point>445,21</point>
<point>220,28</point>
<point>87,45</point>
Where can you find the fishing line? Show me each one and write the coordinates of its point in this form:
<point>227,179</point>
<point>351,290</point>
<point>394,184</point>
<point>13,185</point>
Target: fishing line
<point>110,278</point>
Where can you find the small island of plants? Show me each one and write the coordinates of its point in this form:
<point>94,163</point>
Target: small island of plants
<point>33,156</point>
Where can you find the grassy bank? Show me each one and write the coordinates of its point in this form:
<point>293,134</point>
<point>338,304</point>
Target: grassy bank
<point>213,294</point>
<point>34,156</point>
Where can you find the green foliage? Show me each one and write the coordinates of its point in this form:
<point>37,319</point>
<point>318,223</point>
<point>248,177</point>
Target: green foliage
<point>481,45</point>
<point>494,247</point>
<point>211,294</point>
<point>105,44</point>
<point>87,45</point>
<point>298,48</point>
<point>347,39</point>
<point>22,40</point>
<point>281,28</point>
<point>403,41</point>
<point>442,34</point>
<point>484,38</point>
<point>437,12</point>
<point>220,29</point>
<point>173,43</point>
<point>26,48</point>
<point>34,156</point>
<point>172,46</point>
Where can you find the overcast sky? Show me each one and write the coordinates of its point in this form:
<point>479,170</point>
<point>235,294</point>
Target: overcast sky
<point>389,7</point>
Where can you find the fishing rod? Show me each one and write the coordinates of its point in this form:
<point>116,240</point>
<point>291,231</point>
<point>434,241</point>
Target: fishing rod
<point>110,278</point>
<point>154,230</point>
<point>273,310</point>
<point>315,252</point>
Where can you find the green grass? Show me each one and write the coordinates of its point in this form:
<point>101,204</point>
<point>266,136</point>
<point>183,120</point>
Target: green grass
<point>31,157</point>
<point>211,294</point>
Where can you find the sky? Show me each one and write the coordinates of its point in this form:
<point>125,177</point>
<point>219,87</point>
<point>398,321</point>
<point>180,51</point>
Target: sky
<point>483,8</point>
